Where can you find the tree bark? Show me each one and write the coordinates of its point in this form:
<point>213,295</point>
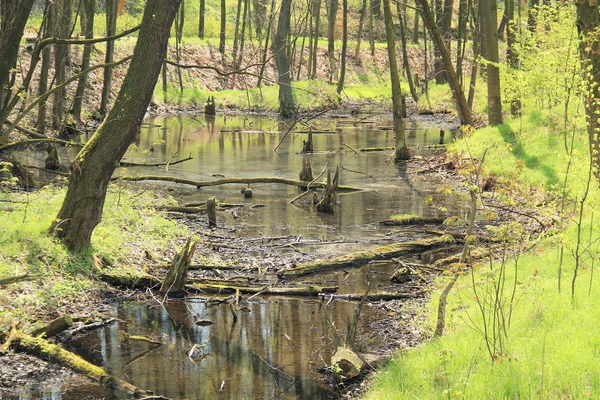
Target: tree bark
<point>13,17</point>
<point>287,106</point>
<point>87,25</point>
<point>489,32</point>
<point>588,22</point>
<point>402,151</point>
<point>92,168</point>
<point>457,92</point>
<point>340,85</point>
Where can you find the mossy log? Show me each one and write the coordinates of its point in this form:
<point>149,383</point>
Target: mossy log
<point>308,290</point>
<point>409,219</point>
<point>130,280</point>
<point>473,255</point>
<point>228,181</point>
<point>55,326</point>
<point>174,283</point>
<point>378,296</point>
<point>362,257</point>
<point>41,348</point>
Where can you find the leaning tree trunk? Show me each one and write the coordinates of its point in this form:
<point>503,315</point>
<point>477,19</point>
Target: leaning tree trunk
<point>402,150</point>
<point>489,41</point>
<point>92,168</point>
<point>13,17</point>
<point>588,24</point>
<point>457,92</point>
<point>340,85</point>
<point>287,106</point>
<point>87,25</point>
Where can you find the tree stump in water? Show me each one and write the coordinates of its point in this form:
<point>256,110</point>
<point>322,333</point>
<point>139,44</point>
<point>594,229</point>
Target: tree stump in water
<point>52,161</point>
<point>174,283</point>
<point>307,146</point>
<point>211,212</point>
<point>328,201</point>
<point>209,107</point>
<point>306,174</point>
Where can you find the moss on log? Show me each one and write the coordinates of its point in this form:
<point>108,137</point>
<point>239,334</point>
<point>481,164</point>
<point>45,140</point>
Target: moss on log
<point>54,327</point>
<point>410,219</point>
<point>227,181</point>
<point>55,353</point>
<point>363,257</point>
<point>308,290</point>
<point>132,280</point>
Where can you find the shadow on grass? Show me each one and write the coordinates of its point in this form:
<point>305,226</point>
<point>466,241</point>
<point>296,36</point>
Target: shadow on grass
<point>530,161</point>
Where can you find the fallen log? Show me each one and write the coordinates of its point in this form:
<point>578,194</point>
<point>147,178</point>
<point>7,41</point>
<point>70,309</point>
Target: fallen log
<point>55,327</point>
<point>39,347</point>
<point>230,180</point>
<point>19,278</point>
<point>410,219</point>
<point>84,328</point>
<point>129,280</point>
<point>362,257</point>
<point>377,296</point>
<point>308,290</point>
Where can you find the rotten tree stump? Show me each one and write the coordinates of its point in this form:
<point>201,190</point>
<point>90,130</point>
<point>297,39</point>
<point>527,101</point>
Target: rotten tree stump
<point>209,107</point>
<point>174,283</point>
<point>328,201</point>
<point>307,145</point>
<point>306,174</point>
<point>211,211</point>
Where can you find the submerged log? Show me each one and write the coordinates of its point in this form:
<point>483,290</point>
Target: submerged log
<point>211,211</point>
<point>230,180</point>
<point>410,219</point>
<point>174,283</point>
<point>362,257</point>
<point>55,327</point>
<point>41,348</point>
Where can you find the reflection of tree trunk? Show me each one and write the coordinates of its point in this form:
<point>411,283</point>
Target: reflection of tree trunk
<point>588,16</point>
<point>402,151</point>
<point>92,169</point>
<point>287,106</point>
<point>87,27</point>
<point>340,85</point>
<point>331,16</point>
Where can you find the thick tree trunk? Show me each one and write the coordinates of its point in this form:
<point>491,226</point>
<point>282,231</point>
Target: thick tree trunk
<point>331,16</point>
<point>402,150</point>
<point>13,17</point>
<point>287,106</point>
<point>340,85</point>
<point>457,92</point>
<point>87,27</point>
<point>588,23</point>
<point>111,27</point>
<point>489,41</point>
<point>92,168</point>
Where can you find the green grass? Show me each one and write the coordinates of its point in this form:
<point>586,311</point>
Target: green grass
<point>130,227</point>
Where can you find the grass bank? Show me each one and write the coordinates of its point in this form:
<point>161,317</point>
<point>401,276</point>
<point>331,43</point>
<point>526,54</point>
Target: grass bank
<point>510,332</point>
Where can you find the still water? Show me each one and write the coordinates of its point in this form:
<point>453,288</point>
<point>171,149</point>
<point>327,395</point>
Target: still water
<point>277,344</point>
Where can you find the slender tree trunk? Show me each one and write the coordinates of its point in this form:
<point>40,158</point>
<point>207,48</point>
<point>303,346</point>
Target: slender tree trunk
<point>201,17</point>
<point>361,22</point>
<point>489,31</point>
<point>402,150</point>
<point>179,22</point>
<point>92,168</point>
<point>459,96</point>
<point>13,17</point>
<point>111,27</point>
<point>287,106</point>
<point>43,76</point>
<point>444,24</point>
<point>476,45</point>
<point>63,30</point>
<point>223,27</point>
<point>340,85</point>
<point>532,15</point>
<point>588,26</point>
<point>317,15</point>
<point>236,35</point>
<point>409,78</point>
<point>512,54</point>
<point>376,8</point>
<point>266,48</point>
<point>331,16</point>
<point>463,14</point>
<point>260,15</point>
<point>87,27</point>
<point>372,33</point>
<point>415,37</point>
